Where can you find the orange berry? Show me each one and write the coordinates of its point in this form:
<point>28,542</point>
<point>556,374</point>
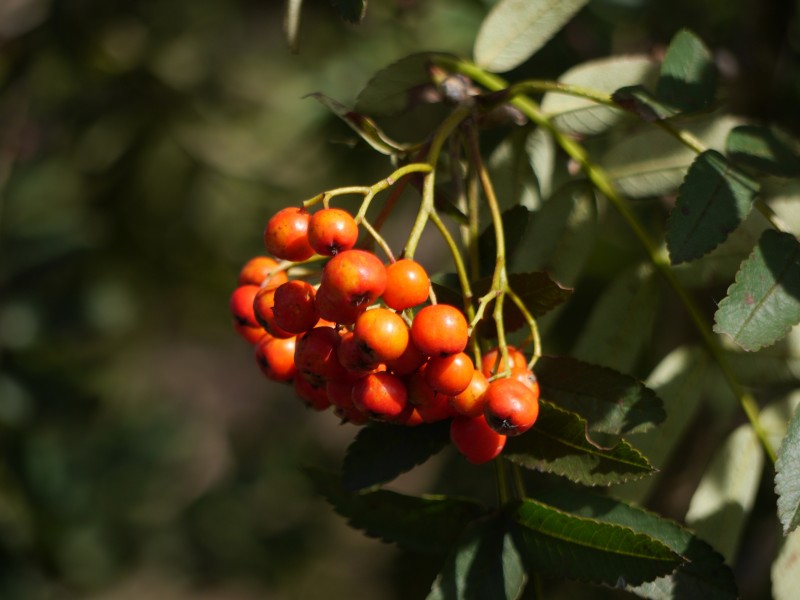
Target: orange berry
<point>407,284</point>
<point>440,330</point>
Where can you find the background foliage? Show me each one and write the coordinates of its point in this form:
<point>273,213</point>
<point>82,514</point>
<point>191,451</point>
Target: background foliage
<point>142,146</point>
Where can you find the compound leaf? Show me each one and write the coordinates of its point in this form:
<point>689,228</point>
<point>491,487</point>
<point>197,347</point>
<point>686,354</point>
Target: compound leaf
<point>713,200</point>
<point>760,148</point>
<point>515,29</point>
<point>763,303</point>
<point>787,477</point>
<point>390,89</point>
<point>688,78</point>
<point>557,444</point>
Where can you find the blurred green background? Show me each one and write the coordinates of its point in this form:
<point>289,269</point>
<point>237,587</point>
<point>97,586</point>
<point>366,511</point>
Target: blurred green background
<point>143,145</point>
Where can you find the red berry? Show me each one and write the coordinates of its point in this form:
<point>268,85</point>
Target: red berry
<point>440,330</point>
<point>407,284</point>
<point>492,362</point>
<point>241,304</point>
<point>263,307</point>
<point>380,395</point>
<point>295,309</point>
<point>382,333</point>
<point>449,375</point>
<point>409,361</point>
<point>315,356</point>
<point>511,407</point>
<point>275,358</point>
<point>314,396</point>
<point>256,271</point>
<point>473,438</point>
<point>286,234</point>
<point>471,401</point>
<point>335,309</point>
<point>526,376</point>
<point>354,277</point>
<point>353,357</point>
<point>332,230</point>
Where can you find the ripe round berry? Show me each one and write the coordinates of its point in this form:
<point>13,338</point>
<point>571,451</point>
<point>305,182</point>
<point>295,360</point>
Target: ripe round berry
<point>473,438</point>
<point>449,375</point>
<point>256,271</point>
<point>382,334</point>
<point>353,357</point>
<point>275,358</point>
<point>471,401</point>
<point>407,284</point>
<point>263,308</point>
<point>380,395</point>
<point>438,410</point>
<point>313,395</point>
<point>354,277</point>
<point>315,356</point>
<point>411,360</point>
<point>511,407</point>
<point>335,309</point>
<point>286,234</point>
<point>527,377</point>
<point>420,393</point>
<point>253,335</point>
<point>241,304</point>
<point>295,309</point>
<point>440,330</point>
<point>492,362</point>
<point>332,230</point>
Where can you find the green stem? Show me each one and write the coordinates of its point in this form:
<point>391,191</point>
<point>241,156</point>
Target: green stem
<point>461,270</point>
<point>502,481</point>
<point>531,321</point>
<point>603,183</point>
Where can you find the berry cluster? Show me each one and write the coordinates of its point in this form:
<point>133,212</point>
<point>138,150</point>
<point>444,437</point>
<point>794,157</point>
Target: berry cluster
<point>354,343</point>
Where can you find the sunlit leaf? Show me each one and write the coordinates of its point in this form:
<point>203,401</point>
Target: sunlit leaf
<point>421,524</point>
<point>641,102</point>
<point>390,89</point>
<point>688,79</point>
<point>785,574</point>
<point>762,149</point>
<point>612,402</point>
<point>712,201</point>
<point>763,303</point>
<point>484,564</point>
<point>557,444</point>
<point>515,29</point>
<point>787,477</point>
<point>561,544</point>
<point>381,452</point>
<point>724,498</point>
<point>541,149</point>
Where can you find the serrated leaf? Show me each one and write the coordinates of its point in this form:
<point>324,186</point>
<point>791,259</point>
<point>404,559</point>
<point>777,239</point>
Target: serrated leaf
<point>557,444</point>
<point>381,452</point>
<point>704,577</point>
<point>763,304</point>
<point>785,574</point>
<point>787,477</point>
<point>565,545</point>
<point>291,23</point>
<point>579,116</point>
<point>390,89</point>
<point>363,126</point>
<point>612,402</point>
<point>515,29</point>
<point>485,565</point>
<point>420,524</point>
<point>515,223</point>
<point>724,498</point>
<point>761,148</point>
<point>688,79</point>
<point>650,162</point>
<point>541,150</point>
<point>622,321</point>
<point>351,10</point>
<point>638,100</point>
<point>712,202</point>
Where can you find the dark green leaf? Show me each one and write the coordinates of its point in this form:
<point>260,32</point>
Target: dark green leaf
<point>390,89</point>
<point>512,174</point>
<point>351,10</point>
<point>704,577</point>
<point>381,452</point>
<point>622,321</point>
<point>362,125</point>
<point>638,100</point>
<point>760,148</point>
<point>557,444</point>
<point>688,78</point>
<point>515,29</point>
<point>561,544</point>
<point>787,477</point>
<point>515,223</point>
<point>613,403</point>
<point>484,565</point>
<point>713,200</point>
<point>763,303</point>
<point>420,524</point>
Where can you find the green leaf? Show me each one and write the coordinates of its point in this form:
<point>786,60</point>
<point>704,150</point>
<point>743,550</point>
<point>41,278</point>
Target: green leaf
<point>380,452</point>
<point>622,321</point>
<point>785,574</point>
<point>703,577</point>
<point>363,126</point>
<point>761,148</point>
<point>485,565</point>
<point>650,162</point>
<point>515,223</point>
<point>561,544</point>
<point>688,78</point>
<point>420,524</point>
<point>638,100</point>
<point>291,23</point>
<point>557,444</point>
<point>724,498</point>
<point>390,89</point>
<point>351,10</point>
<point>763,303</point>
<point>787,477</point>
<point>613,403</point>
<point>513,177</point>
<point>713,200</point>
<point>541,150</point>
<point>580,116</point>
<point>515,29</point>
